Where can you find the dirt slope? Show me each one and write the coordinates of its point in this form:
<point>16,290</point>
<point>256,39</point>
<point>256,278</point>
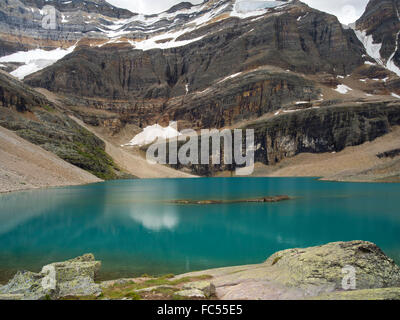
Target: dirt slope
<point>131,162</point>
<point>26,166</point>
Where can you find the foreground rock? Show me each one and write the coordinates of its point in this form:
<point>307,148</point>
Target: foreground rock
<point>318,273</point>
<point>311,272</point>
<point>320,269</point>
<point>369,294</point>
<point>207,288</point>
<point>61,279</point>
<point>191,293</point>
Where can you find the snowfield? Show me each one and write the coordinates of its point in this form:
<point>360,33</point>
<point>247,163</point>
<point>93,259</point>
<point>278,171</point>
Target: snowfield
<point>250,8</point>
<point>343,89</point>
<point>395,95</point>
<point>373,49</point>
<point>151,133</point>
<point>245,6</point>
<point>35,60</point>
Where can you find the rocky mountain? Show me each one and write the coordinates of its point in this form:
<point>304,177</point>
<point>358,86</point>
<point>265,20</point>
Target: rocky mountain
<point>379,29</point>
<point>304,81</point>
<point>251,59</point>
<point>36,119</point>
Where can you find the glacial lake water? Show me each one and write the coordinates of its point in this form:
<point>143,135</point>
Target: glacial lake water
<point>130,226</point>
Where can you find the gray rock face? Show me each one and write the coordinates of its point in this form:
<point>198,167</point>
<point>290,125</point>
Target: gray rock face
<point>29,285</point>
<point>218,80</point>
<point>381,20</point>
<point>316,272</point>
<point>317,130</point>
<point>328,129</point>
<point>70,278</point>
<point>84,266</point>
<point>321,268</point>
<point>315,43</point>
<point>206,287</point>
<point>23,18</point>
<point>191,293</point>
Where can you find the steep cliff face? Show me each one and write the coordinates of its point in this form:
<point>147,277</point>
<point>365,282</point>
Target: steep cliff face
<point>295,37</point>
<point>318,130</point>
<point>91,6</point>
<point>379,28</point>
<point>21,23</point>
<point>14,94</point>
<point>322,130</point>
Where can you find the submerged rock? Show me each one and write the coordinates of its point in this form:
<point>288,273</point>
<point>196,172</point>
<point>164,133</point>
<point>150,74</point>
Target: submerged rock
<point>70,278</point>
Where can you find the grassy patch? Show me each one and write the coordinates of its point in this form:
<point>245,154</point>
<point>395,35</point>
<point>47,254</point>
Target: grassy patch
<point>128,290</point>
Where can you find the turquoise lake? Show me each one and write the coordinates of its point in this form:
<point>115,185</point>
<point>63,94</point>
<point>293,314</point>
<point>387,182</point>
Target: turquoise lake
<point>130,226</point>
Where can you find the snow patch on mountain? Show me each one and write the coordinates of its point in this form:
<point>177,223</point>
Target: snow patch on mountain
<point>343,89</point>
<point>162,41</point>
<point>151,133</point>
<point>230,77</point>
<point>35,60</point>
<point>390,64</point>
<point>373,49</point>
<point>395,95</point>
<point>250,8</point>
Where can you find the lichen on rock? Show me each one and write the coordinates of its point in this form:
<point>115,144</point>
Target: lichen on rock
<point>61,279</point>
<point>320,268</point>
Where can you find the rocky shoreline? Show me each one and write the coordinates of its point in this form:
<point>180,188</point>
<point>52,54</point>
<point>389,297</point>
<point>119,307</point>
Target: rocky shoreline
<point>317,273</point>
